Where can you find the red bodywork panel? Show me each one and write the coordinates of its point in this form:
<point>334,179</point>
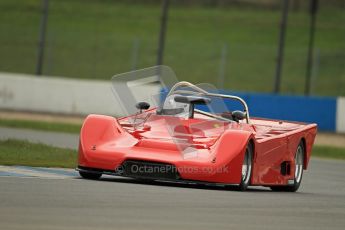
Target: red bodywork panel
<point>106,142</point>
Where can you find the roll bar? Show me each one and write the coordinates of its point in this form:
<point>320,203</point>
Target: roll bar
<point>204,92</point>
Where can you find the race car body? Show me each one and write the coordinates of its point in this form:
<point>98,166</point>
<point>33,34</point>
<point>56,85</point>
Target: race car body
<point>179,142</point>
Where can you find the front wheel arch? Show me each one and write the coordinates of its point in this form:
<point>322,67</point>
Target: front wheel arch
<point>252,143</point>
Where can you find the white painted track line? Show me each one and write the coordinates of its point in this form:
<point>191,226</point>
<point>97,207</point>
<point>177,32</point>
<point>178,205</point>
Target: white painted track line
<point>23,171</point>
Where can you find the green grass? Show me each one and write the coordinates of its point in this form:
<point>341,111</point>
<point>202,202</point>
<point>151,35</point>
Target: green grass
<point>15,152</point>
<point>329,152</point>
<point>94,39</point>
<point>41,125</point>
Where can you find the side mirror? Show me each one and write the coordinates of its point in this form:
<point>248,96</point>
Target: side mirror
<point>238,115</point>
<point>142,106</point>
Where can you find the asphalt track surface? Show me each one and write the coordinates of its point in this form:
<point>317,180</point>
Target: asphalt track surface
<point>40,198</point>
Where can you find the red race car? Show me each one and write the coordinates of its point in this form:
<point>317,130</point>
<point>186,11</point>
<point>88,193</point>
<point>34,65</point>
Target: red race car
<point>187,138</point>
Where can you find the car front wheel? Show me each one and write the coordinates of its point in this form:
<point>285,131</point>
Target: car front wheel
<point>246,168</point>
<point>90,176</point>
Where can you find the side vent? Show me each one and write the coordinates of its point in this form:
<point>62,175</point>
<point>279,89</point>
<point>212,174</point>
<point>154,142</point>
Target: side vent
<point>285,168</point>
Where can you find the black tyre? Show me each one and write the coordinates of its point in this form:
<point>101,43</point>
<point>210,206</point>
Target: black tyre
<point>299,161</point>
<point>246,168</point>
<point>90,176</point>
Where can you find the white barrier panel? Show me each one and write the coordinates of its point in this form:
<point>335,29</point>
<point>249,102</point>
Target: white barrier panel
<point>79,97</point>
<point>57,95</point>
<point>340,115</point>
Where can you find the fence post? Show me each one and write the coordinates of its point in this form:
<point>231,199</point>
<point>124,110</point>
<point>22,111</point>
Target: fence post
<point>280,54</point>
<point>42,37</point>
<point>222,67</point>
<point>315,70</point>
<point>161,39</point>
<point>313,12</point>
<point>135,53</point>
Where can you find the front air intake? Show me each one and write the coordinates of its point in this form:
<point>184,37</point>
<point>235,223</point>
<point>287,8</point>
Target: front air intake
<point>150,170</point>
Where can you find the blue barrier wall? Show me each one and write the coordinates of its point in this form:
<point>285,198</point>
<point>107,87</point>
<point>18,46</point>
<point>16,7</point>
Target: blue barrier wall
<point>320,110</point>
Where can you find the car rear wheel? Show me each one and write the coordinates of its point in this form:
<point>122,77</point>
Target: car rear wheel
<point>246,168</point>
<point>299,160</point>
<point>90,176</point>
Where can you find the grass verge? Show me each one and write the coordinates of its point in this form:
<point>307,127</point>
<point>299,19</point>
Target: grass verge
<point>41,125</point>
<point>17,152</point>
<point>329,152</point>
<point>97,39</point>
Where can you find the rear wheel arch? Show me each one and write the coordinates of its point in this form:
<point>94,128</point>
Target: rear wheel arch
<point>298,172</point>
<point>304,145</point>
